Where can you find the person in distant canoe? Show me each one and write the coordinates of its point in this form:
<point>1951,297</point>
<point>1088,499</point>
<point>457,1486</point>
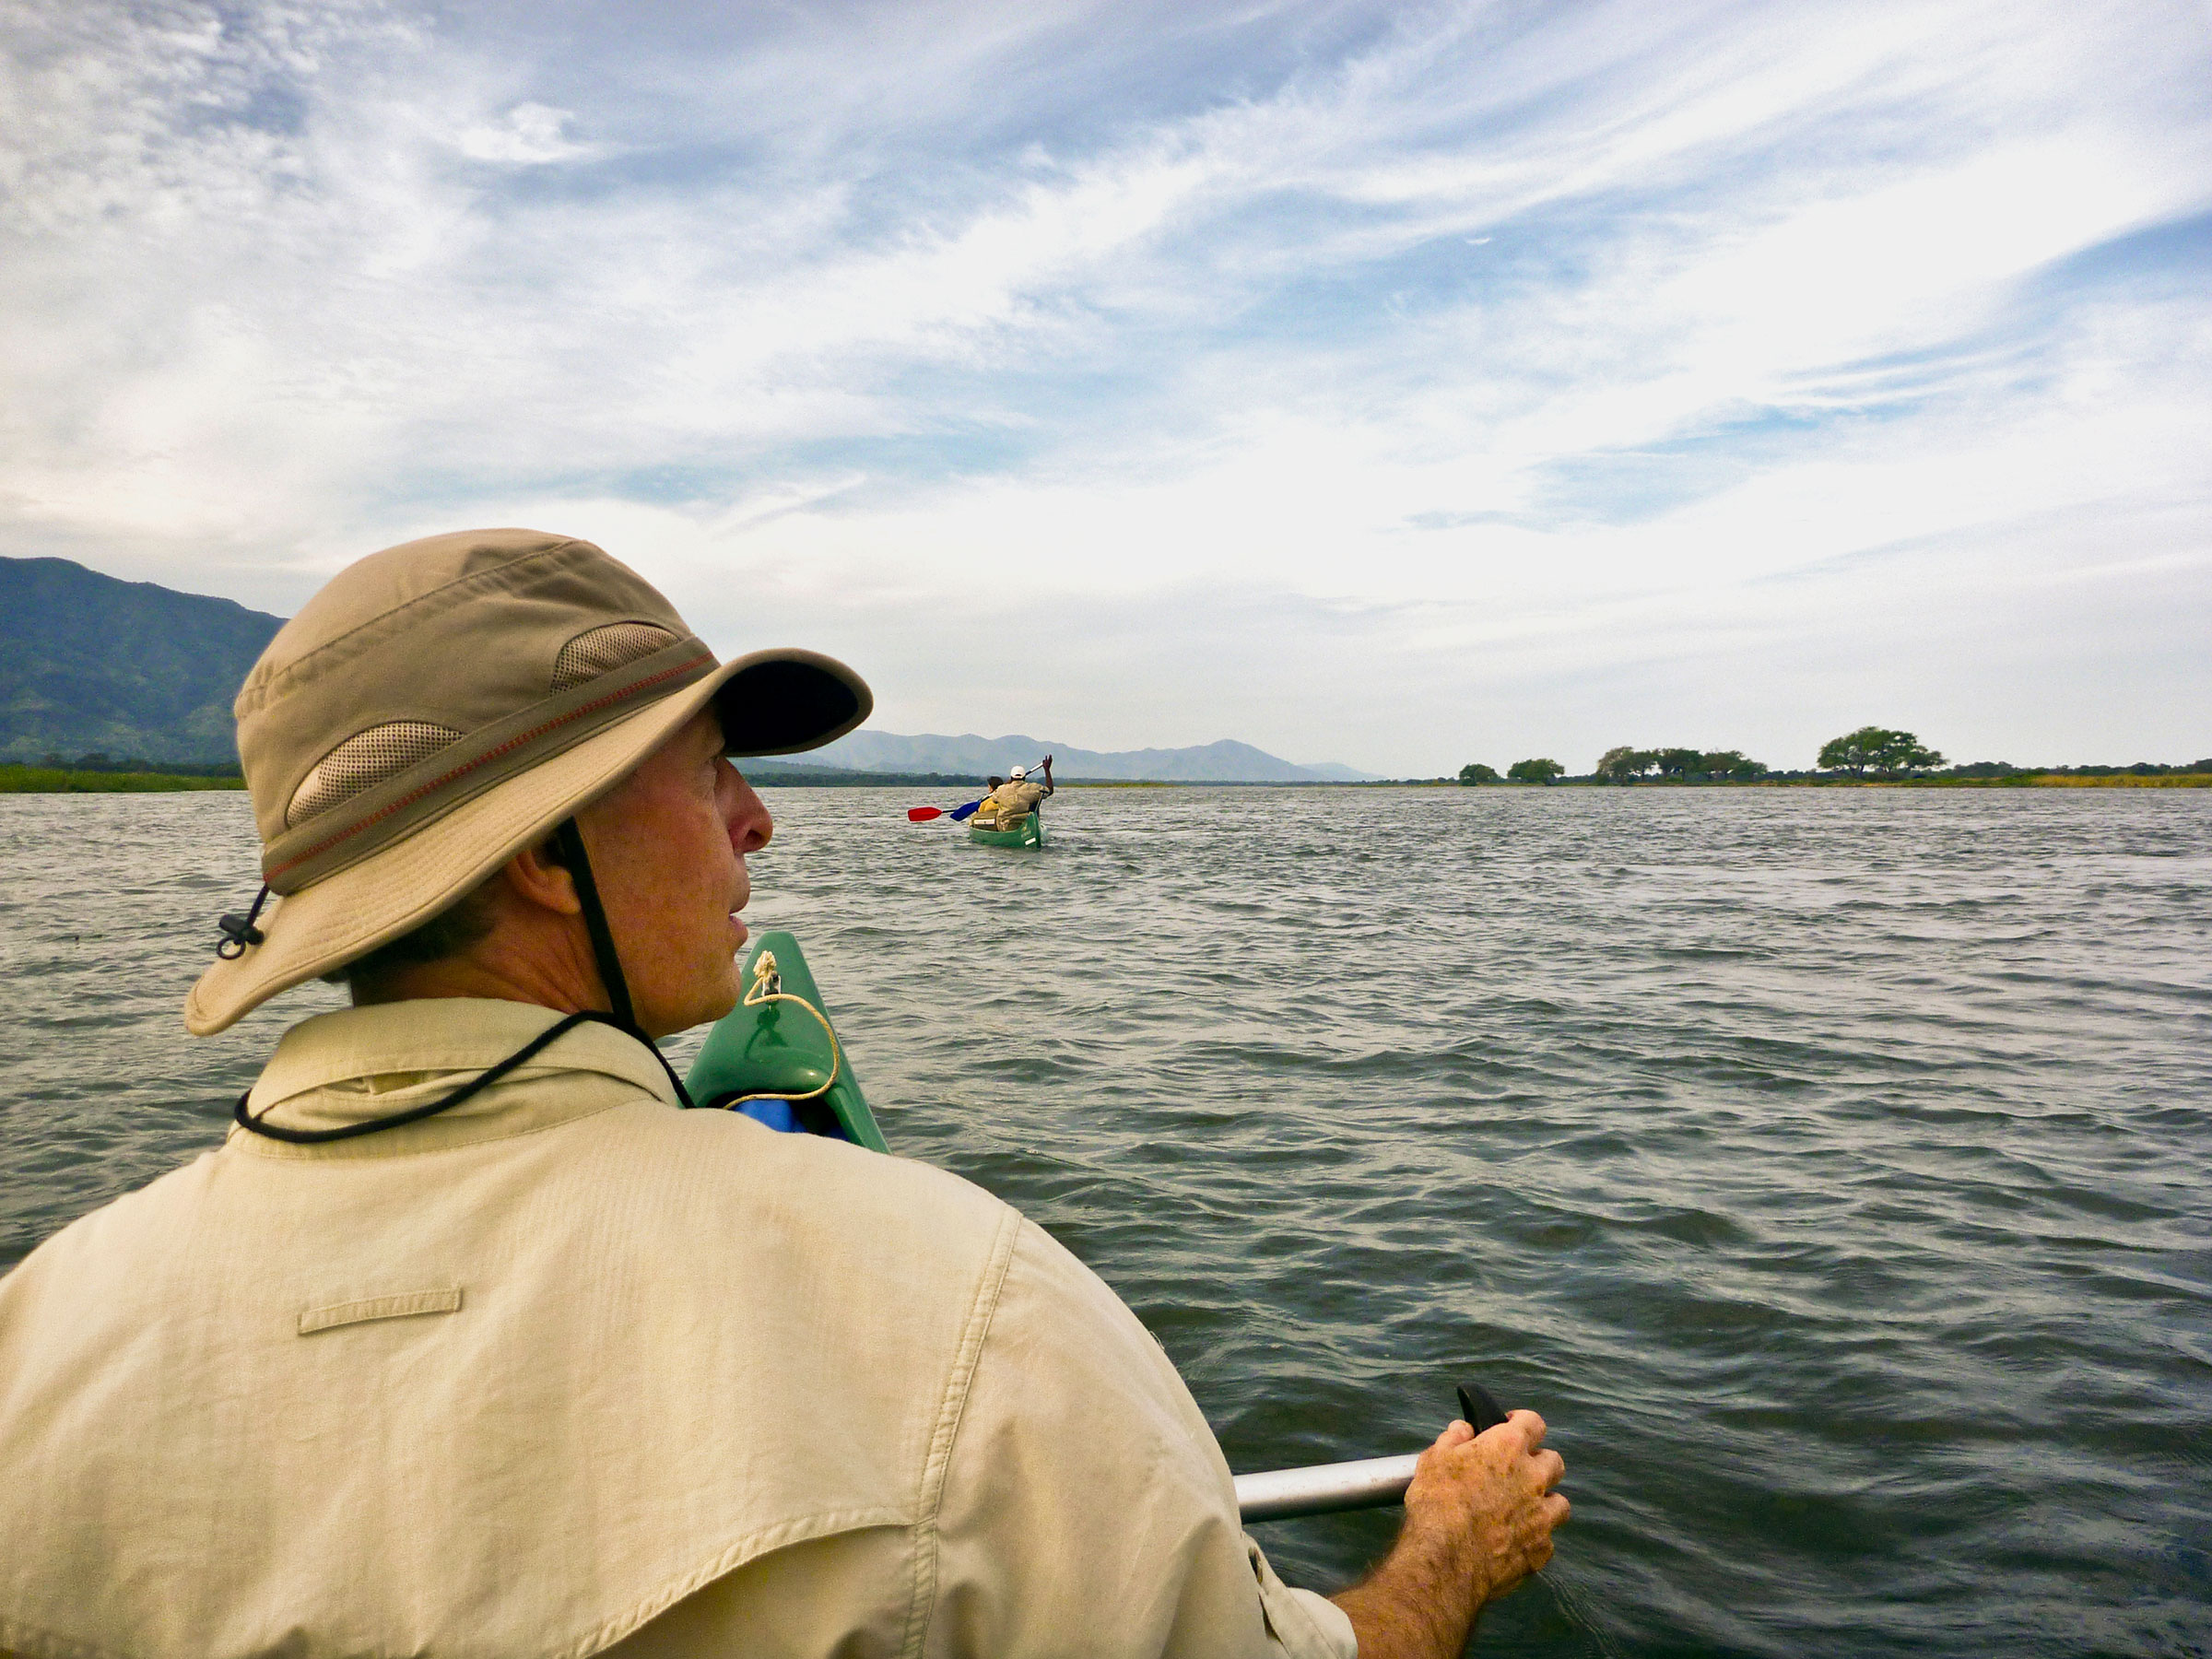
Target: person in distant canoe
<point>469,1339</point>
<point>1013,800</point>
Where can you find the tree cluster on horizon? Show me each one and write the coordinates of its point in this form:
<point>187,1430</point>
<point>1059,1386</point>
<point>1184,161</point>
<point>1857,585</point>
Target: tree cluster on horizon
<point>1624,765</point>
<point>1878,750</point>
<point>1538,771</point>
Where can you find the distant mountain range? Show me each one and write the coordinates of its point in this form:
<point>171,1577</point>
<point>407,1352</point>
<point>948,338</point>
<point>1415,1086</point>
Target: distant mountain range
<point>1224,762</point>
<point>90,666</point>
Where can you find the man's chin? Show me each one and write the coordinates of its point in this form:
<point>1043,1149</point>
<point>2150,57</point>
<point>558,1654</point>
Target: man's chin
<point>721,1002</point>
<point>711,1000</point>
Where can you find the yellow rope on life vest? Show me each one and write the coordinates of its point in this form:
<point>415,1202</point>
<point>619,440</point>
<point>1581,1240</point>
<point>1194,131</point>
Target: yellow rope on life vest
<point>768,987</point>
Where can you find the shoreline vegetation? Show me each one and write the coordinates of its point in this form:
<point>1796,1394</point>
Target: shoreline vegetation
<point>1619,768</point>
<point>18,779</point>
<point>1870,758</point>
<point>2023,778</point>
<point>45,779</point>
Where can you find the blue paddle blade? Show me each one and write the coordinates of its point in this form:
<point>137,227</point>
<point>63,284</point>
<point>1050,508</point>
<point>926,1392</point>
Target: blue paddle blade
<point>959,814</point>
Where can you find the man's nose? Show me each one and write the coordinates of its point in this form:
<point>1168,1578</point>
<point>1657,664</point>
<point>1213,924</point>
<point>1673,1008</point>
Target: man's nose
<point>750,827</point>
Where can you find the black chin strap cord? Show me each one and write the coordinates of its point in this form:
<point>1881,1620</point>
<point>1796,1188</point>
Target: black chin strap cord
<point>569,839</point>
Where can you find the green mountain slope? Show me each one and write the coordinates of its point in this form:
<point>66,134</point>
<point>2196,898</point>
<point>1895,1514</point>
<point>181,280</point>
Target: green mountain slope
<point>88,664</point>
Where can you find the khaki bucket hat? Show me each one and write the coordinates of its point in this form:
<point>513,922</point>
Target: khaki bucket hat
<point>440,706</point>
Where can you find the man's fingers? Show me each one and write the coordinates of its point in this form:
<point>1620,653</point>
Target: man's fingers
<point>1556,1508</point>
<point>1553,1467</point>
<point>1530,1424</point>
<point>1457,1433</point>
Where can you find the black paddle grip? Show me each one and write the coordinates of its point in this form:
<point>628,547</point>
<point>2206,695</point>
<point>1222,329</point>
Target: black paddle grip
<point>1479,1406</point>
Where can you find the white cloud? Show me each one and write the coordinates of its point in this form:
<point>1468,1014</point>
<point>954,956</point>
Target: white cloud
<point>529,134</point>
<point>1481,332</point>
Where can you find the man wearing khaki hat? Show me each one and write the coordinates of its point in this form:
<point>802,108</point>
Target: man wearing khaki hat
<point>469,1339</point>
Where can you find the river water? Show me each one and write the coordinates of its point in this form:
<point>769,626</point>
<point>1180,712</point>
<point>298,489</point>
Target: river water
<point>1828,1167</point>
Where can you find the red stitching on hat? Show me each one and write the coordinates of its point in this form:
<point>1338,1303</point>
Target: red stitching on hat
<point>514,742</point>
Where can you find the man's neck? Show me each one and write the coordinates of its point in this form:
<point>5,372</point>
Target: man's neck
<point>561,979</point>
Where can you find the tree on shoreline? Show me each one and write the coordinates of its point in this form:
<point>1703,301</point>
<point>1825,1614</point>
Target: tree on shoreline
<point>1475,773</point>
<point>1533,771</point>
<point>1730,763</point>
<point>1878,750</point>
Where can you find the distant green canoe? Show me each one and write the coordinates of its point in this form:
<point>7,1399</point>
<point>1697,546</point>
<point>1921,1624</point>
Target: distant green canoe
<point>1029,832</point>
<point>777,1049</point>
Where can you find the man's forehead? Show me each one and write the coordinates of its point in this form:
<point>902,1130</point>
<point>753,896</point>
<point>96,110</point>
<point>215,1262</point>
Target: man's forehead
<point>698,737</point>
<point>703,730</point>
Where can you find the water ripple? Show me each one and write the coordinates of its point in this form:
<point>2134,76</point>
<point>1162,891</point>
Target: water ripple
<point>1827,1165</point>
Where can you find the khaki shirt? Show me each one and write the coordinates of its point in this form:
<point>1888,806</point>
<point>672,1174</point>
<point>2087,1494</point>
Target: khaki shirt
<point>1012,800</point>
<point>566,1369</point>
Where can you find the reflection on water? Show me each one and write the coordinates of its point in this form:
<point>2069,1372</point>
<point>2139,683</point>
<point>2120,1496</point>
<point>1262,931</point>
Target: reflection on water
<point>1828,1167</point>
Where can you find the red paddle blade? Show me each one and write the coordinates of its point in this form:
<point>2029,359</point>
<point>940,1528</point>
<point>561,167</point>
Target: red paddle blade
<point>922,815</point>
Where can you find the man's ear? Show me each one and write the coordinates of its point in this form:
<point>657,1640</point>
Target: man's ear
<point>536,878</point>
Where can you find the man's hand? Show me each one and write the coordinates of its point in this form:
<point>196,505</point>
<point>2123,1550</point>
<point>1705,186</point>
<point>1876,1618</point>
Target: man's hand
<point>1478,1520</point>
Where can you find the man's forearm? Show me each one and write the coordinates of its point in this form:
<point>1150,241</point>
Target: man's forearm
<point>1420,1603</point>
<point>1479,1517</point>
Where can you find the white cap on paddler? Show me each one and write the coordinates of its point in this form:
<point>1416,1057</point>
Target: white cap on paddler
<point>442,705</point>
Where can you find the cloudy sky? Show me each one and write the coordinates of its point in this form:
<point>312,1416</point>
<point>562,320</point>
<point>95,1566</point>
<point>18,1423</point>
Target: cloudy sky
<point>1399,384</point>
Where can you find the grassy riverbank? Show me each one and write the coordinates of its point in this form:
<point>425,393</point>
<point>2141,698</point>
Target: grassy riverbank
<point>2199,780</point>
<point>2013,780</point>
<point>57,780</point>
<point>2196,780</point>
<point>2017,781</point>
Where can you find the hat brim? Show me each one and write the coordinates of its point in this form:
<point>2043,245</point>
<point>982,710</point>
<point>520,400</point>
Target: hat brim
<point>777,702</point>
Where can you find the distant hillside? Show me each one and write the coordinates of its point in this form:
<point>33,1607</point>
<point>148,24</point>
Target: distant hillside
<point>90,665</point>
<point>1223,762</point>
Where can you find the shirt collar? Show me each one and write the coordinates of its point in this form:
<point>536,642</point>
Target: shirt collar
<point>361,1063</point>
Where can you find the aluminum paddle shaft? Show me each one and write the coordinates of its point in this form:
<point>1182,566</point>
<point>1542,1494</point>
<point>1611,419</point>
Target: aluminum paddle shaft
<point>1280,1494</point>
<point>1372,1482</point>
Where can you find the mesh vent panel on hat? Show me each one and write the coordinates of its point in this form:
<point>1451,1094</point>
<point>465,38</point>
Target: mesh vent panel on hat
<point>364,761</point>
<point>597,650</point>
